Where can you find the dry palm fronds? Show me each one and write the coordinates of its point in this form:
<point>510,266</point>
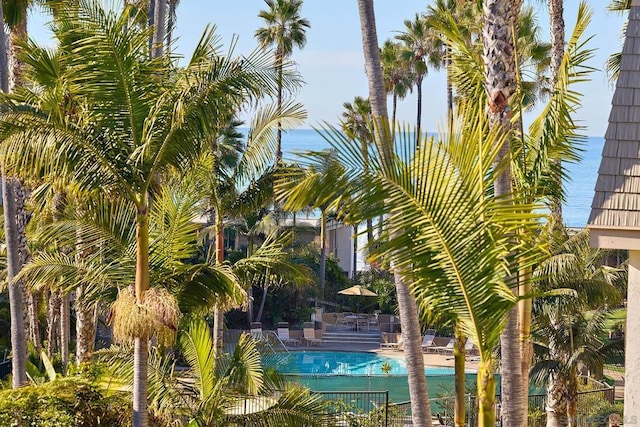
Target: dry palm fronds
<point>157,316</point>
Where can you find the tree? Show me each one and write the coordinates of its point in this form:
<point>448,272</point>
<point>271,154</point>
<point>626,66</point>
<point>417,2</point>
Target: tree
<point>565,337</point>
<point>139,122</point>
<point>356,122</point>
<point>397,76</point>
<point>576,343</point>
<point>420,51</point>
<point>500,27</point>
<point>420,409</point>
<point>284,29</point>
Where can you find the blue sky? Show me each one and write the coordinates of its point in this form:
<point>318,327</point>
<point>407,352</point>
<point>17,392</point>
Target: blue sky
<point>332,64</point>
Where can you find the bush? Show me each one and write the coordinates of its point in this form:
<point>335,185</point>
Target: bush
<point>66,402</point>
<point>599,414</point>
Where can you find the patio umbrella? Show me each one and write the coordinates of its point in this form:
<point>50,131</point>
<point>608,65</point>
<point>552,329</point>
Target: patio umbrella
<point>358,290</point>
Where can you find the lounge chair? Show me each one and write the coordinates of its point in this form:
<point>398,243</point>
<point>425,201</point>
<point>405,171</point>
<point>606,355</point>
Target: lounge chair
<point>427,340</point>
<point>394,345</point>
<point>445,349</point>
<point>310,335</point>
<point>283,334</point>
<point>256,331</point>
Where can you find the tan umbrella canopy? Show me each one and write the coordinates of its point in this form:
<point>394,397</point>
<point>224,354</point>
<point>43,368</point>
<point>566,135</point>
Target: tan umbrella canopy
<point>358,290</point>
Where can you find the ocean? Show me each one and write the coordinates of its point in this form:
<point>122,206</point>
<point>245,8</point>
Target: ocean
<point>579,189</point>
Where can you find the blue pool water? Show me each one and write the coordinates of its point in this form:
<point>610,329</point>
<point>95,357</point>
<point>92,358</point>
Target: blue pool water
<point>345,363</point>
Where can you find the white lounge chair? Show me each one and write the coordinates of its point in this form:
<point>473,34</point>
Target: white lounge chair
<point>283,334</point>
<point>447,348</point>
<point>394,345</point>
<point>310,336</point>
<point>427,340</point>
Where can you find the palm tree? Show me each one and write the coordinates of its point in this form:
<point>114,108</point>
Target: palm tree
<point>285,29</point>
<point>420,409</point>
<point>14,195</point>
<point>356,121</point>
<point>575,340</point>
<point>615,59</point>
<point>242,180</point>
<point>500,27</point>
<point>165,121</point>
<point>396,71</point>
<point>573,265</point>
<point>315,185</point>
<point>420,52</point>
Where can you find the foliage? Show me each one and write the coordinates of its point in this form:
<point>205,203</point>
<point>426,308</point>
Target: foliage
<point>599,412</point>
<point>380,282</point>
<point>66,402</point>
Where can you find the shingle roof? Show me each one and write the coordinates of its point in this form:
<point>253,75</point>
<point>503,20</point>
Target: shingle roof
<point>616,203</point>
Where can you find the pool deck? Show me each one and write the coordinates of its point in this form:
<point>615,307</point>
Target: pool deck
<point>430,359</point>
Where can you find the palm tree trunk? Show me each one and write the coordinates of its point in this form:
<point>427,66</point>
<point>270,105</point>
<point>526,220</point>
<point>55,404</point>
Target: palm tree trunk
<point>279,61</point>
<point>394,108</point>
<point>323,251</point>
<point>85,328</point>
<point>59,203</point>
<point>419,109</point>
<point>65,331</point>
<point>218,313</point>
<point>459,364</point>
<point>500,25</point>
<point>556,406</point>
<point>487,395</point>
<point>449,91</point>
<point>420,408</point>
<point>159,27</point>
<point>16,294</point>
<point>355,251</point>
<point>556,22</point>
<point>524,312</point>
<point>141,345</point>
<point>265,290</point>
<point>53,322</point>
<point>33,308</point>
<point>572,399</point>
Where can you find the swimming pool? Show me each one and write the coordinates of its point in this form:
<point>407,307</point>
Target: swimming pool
<point>346,363</point>
<point>358,371</point>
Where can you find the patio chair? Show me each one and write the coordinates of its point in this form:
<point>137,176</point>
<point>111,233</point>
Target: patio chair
<point>394,345</point>
<point>362,321</point>
<point>256,331</point>
<point>310,335</point>
<point>372,321</point>
<point>283,334</point>
<point>445,349</point>
<point>342,321</point>
<point>427,340</point>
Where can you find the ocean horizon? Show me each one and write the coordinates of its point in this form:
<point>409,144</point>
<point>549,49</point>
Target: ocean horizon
<point>579,188</point>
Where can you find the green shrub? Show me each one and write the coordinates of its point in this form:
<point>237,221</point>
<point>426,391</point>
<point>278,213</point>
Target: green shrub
<point>66,402</point>
<point>600,411</point>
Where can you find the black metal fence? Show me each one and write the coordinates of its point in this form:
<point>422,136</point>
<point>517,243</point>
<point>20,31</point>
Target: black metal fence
<point>5,368</point>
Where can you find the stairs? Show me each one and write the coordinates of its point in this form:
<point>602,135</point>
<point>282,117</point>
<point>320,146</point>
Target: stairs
<point>352,337</point>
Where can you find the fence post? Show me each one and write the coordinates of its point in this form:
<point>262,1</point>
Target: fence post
<point>386,409</point>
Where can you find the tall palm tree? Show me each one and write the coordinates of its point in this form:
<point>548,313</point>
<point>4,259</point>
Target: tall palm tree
<point>420,52</point>
<point>124,150</point>
<point>356,122</point>
<point>397,75</point>
<point>285,29</point>
<point>420,409</point>
<point>14,194</point>
<point>315,185</point>
<point>500,27</point>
